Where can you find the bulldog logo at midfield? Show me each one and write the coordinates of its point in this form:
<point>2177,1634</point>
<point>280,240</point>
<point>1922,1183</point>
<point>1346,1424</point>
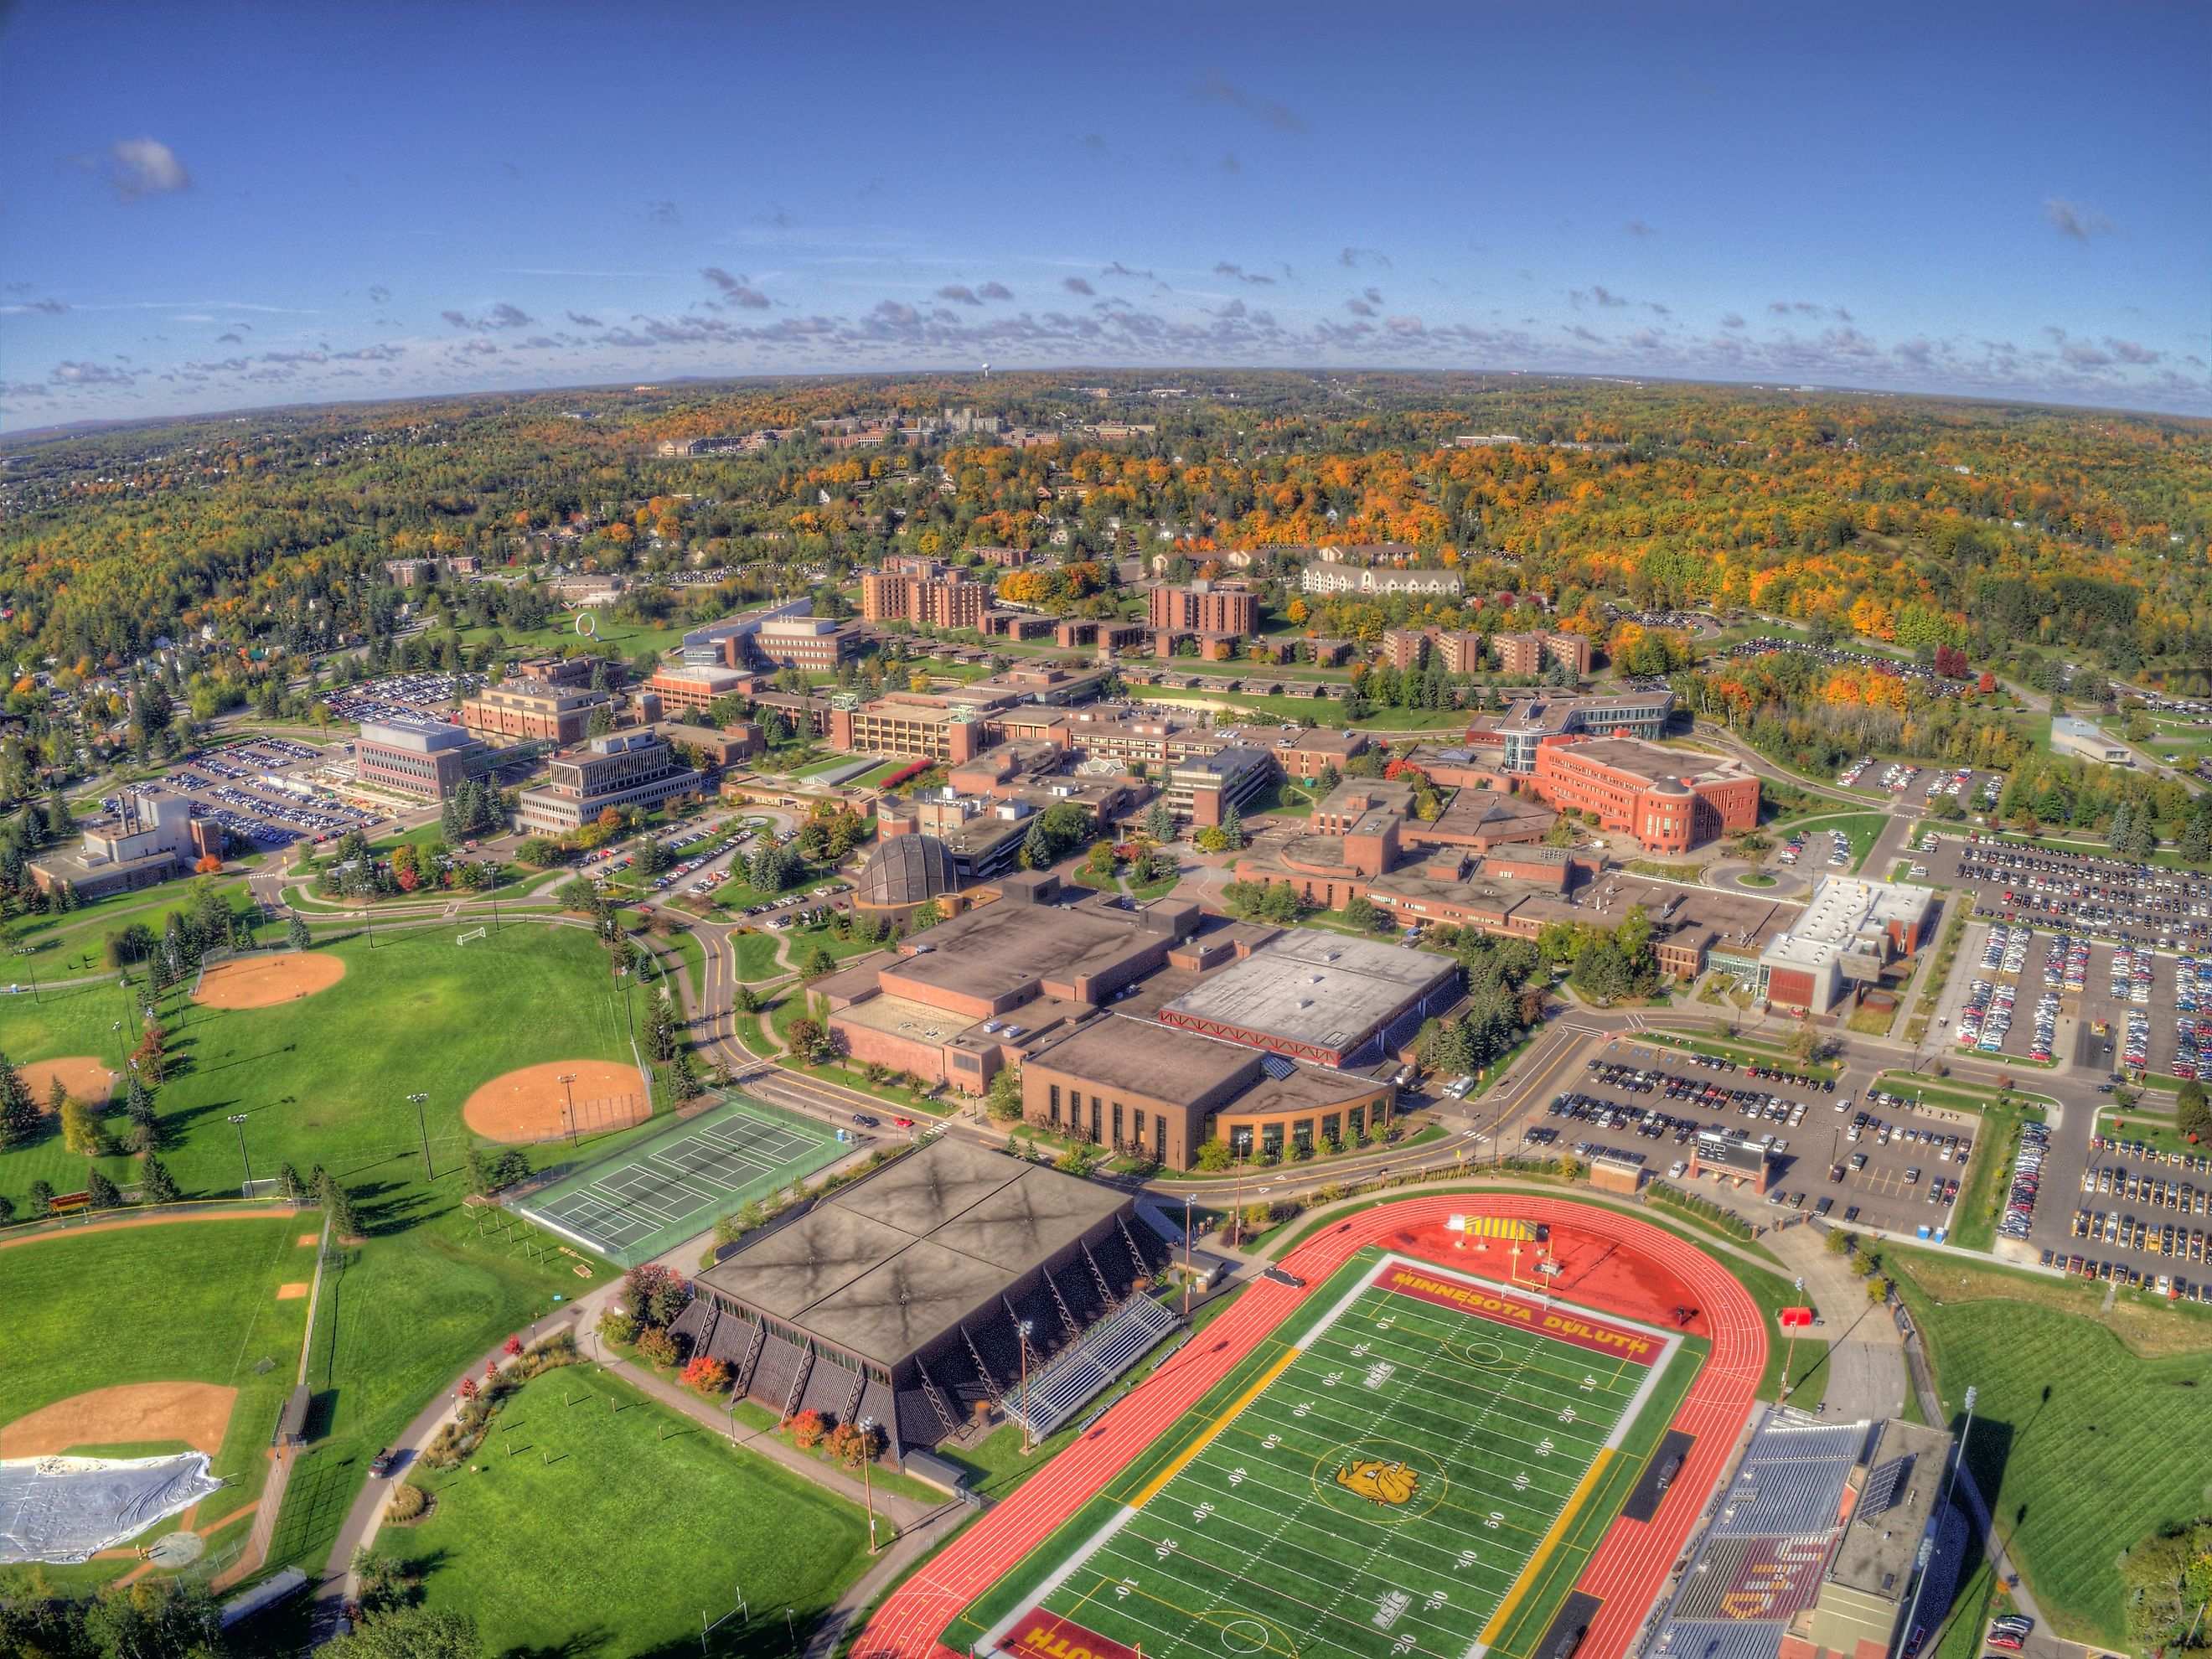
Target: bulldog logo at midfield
<point>1379,1482</point>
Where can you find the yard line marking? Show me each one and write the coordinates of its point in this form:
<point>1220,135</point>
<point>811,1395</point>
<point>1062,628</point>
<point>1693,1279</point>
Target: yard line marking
<point>1183,1458</point>
<point>1543,1550</point>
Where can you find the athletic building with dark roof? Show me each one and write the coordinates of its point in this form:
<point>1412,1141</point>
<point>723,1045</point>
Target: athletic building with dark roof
<point>901,1297</point>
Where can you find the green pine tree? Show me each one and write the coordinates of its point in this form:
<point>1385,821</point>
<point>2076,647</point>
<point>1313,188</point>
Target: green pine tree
<point>21,1122</point>
<point>156,1184</point>
<point>99,1192</point>
<point>1037,851</point>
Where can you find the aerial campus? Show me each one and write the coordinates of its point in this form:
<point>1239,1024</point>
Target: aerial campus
<point>1041,888</point>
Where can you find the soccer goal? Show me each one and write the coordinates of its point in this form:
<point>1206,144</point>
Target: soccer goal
<point>474,932</point>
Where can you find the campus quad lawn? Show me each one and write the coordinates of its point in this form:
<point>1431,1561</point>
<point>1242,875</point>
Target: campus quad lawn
<point>180,1302</point>
<point>324,1079</point>
<point>2083,1444</point>
<point>615,1545</point>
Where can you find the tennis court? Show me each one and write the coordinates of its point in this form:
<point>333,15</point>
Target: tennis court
<point>631,1206</point>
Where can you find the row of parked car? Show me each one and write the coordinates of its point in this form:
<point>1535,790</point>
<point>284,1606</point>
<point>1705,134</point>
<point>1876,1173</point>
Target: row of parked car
<point>2027,1181</point>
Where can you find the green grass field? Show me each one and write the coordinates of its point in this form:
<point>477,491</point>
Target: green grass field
<point>614,1524</point>
<point>325,1079</point>
<point>1395,1467</point>
<point>2083,1441</point>
<point>183,1302</point>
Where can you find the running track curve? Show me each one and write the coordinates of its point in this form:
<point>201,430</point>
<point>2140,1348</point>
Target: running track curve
<point>1631,1562</point>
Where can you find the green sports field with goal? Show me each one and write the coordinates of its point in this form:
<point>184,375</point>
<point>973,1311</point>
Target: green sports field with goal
<point>1401,1474</point>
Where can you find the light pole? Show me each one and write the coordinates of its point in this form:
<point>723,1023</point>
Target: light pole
<point>1022,1330</point>
<point>867,1427</point>
<point>1186,1198</point>
<point>567,1103</point>
<point>1958,1456</point>
<point>423,1128</point>
<point>238,1121</point>
<point>119,1048</point>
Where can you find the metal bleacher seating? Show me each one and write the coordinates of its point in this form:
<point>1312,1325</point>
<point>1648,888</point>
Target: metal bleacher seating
<point>1084,1372</point>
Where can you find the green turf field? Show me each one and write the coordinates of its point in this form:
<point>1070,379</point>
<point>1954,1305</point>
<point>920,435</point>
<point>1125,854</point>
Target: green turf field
<point>182,1301</point>
<point>325,1079</point>
<point>2089,1424</point>
<point>598,1538</point>
<point>1405,1471</point>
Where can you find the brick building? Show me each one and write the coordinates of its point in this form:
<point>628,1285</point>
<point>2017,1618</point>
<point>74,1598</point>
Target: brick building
<point>534,711</point>
<point>1669,801</point>
<point>1203,608</point>
<point>1532,653</point>
<point>932,597</point>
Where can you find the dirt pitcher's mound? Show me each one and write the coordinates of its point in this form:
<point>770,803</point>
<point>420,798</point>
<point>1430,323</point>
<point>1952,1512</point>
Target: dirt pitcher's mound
<point>130,1413</point>
<point>264,982</point>
<point>82,1077</point>
<point>532,1104</point>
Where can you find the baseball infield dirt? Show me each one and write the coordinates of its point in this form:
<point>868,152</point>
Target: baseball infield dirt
<point>529,1104</point>
<point>83,1078</point>
<point>264,982</point>
<point>129,1413</point>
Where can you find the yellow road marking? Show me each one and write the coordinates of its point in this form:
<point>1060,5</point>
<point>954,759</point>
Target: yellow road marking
<point>1528,1577</point>
<point>1182,1459</point>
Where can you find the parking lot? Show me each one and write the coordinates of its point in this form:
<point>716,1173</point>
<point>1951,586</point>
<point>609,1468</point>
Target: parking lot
<point>2106,898</point>
<point>398,696</point>
<point>1918,785</point>
<point>264,793</point>
<point>2141,1216</point>
<point>2057,996</point>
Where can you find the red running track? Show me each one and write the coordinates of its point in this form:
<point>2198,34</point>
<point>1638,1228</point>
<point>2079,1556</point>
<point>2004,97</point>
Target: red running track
<point>1633,1560</point>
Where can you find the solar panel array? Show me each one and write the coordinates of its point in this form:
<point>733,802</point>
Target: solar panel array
<point>1882,1486</point>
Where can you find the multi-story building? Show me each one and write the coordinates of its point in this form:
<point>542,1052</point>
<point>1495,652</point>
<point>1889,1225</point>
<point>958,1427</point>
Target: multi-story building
<point>1532,721</point>
<point>1204,788</point>
<point>1204,608</point>
<point>932,598</point>
<point>1531,654</point>
<point>1670,800</point>
<point>689,690</point>
<point>1849,932</point>
<point>815,644</point>
<point>1328,576</point>
<point>627,769</point>
<point>429,758</point>
<point>532,710</point>
<point>1456,651</point>
<point>923,728</point>
<point>147,840</point>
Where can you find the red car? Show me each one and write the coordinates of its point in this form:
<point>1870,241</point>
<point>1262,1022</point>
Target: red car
<point>902,1122</point>
<point>380,1465</point>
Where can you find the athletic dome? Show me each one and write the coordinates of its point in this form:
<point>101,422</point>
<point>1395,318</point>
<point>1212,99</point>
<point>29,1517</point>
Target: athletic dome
<point>906,870</point>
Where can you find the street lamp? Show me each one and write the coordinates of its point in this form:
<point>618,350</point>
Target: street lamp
<point>1022,1329</point>
<point>567,1103</point>
<point>423,1128</point>
<point>1187,1198</point>
<point>118,1040</point>
<point>867,1427</point>
<point>238,1121</point>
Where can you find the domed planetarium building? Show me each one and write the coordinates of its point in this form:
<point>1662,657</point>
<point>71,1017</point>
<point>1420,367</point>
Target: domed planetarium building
<point>903,873</point>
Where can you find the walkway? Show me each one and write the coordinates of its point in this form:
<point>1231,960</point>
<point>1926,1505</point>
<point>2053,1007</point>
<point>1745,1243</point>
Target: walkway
<point>1866,1355</point>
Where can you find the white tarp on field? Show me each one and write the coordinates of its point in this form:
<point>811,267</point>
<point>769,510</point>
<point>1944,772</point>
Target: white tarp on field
<point>66,1509</point>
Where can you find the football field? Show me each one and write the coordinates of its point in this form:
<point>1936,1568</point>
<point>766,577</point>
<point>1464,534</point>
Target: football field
<point>1394,1480</point>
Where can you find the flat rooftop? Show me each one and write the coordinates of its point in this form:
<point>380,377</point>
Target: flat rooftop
<point>1651,762</point>
<point>1904,1475</point>
<point>1146,1058</point>
<point>1313,988</point>
<point>885,1267</point>
<point>999,950</point>
<point>1842,910</point>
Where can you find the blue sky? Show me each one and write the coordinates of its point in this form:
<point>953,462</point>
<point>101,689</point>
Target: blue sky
<point>217,206</point>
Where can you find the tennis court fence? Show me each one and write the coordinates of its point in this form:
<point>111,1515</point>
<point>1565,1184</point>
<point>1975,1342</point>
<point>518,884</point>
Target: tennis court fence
<point>654,1191</point>
<point>599,1115</point>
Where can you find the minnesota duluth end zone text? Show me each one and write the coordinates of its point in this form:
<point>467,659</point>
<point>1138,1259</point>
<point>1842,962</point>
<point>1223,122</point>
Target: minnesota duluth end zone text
<point>1579,1330</point>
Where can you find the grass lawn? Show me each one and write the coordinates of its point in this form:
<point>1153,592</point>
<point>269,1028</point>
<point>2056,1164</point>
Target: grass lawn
<point>1744,1053</point>
<point>324,1079</point>
<point>615,1523</point>
<point>402,1314</point>
<point>614,638</point>
<point>2082,1424</point>
<point>1982,1194</point>
<point>71,943</point>
<point>186,1302</point>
